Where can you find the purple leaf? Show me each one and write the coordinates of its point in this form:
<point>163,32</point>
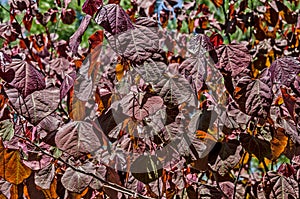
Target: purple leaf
<point>36,106</point>
<point>194,70</point>
<point>27,78</point>
<point>75,39</point>
<point>145,21</point>
<point>100,173</point>
<point>253,145</point>
<point>114,19</point>
<point>76,181</point>
<point>284,70</point>
<point>200,44</point>
<point>67,84</point>
<point>77,138</point>
<point>59,65</point>
<point>139,106</point>
<point>137,44</point>
<point>43,178</point>
<point>254,97</point>
<point>279,186</point>
<point>228,157</point>
<point>90,7</point>
<point>233,58</point>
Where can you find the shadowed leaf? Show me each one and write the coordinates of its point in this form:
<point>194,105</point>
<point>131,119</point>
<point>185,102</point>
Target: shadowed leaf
<point>76,138</point>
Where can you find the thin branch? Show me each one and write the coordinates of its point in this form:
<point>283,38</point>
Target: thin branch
<point>22,37</point>
<point>269,179</point>
<point>105,183</point>
<point>237,179</point>
<point>226,22</point>
<point>217,181</point>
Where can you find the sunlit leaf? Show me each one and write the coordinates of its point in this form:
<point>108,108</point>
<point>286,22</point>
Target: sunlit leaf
<point>284,70</point>
<point>278,143</point>
<point>76,181</point>
<point>233,58</point>
<point>43,178</point>
<point>279,186</point>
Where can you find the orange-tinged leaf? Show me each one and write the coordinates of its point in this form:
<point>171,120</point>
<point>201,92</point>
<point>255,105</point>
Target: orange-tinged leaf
<point>119,71</point>
<point>267,161</point>
<point>191,25</point>
<point>14,192</point>
<point>99,101</point>
<point>11,167</point>
<point>96,39</point>
<point>278,143</point>
<point>218,3</point>
<point>25,192</point>
<point>53,188</point>
<point>289,102</point>
<point>279,101</point>
<point>78,110</point>
<point>203,135</point>
<point>2,196</point>
<point>244,160</point>
<point>74,195</point>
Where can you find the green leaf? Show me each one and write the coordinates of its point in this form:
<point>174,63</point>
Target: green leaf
<point>6,130</point>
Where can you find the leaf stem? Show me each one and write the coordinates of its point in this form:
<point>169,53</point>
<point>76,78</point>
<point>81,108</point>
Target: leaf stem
<point>226,22</point>
<point>237,179</point>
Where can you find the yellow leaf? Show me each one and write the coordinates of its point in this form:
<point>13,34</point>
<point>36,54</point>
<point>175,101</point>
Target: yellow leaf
<point>119,71</point>
<point>74,195</point>
<point>244,160</point>
<point>11,167</point>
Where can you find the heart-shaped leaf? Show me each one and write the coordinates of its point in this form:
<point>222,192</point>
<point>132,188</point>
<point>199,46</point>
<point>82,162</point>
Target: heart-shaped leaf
<point>233,58</point>
<point>279,186</point>
<point>43,178</point>
<point>36,106</point>
<point>77,138</point>
<point>11,167</point>
<point>284,70</point>
<point>76,181</point>
<point>254,97</point>
<point>27,78</point>
<point>113,19</point>
<point>253,145</point>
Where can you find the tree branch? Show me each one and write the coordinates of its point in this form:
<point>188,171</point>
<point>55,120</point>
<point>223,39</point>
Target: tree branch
<point>105,183</point>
